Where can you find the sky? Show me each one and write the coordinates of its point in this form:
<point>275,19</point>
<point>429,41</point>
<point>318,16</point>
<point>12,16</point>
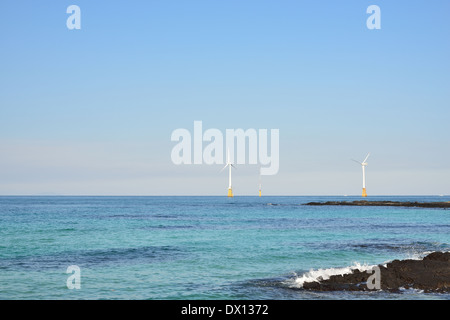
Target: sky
<point>91,111</point>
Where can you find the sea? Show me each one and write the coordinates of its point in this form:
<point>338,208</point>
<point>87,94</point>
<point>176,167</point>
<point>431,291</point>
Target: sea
<point>205,248</point>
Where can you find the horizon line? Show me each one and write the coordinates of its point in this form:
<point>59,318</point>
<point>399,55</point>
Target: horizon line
<point>243,195</point>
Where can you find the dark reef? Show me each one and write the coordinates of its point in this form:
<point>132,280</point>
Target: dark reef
<point>432,274</point>
<point>382,203</point>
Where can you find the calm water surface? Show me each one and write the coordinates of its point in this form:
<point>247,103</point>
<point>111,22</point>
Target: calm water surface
<point>204,247</point>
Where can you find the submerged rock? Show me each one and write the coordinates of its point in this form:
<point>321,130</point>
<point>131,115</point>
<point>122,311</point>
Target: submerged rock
<point>382,203</point>
<point>431,274</point>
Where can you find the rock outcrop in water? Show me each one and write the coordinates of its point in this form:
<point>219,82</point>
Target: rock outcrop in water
<point>382,203</point>
<point>432,274</point>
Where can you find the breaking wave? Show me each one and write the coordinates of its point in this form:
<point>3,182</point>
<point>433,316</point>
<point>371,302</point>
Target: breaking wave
<point>319,275</point>
<point>324,274</point>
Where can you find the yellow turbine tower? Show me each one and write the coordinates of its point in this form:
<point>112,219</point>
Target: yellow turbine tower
<point>363,165</point>
<point>229,165</point>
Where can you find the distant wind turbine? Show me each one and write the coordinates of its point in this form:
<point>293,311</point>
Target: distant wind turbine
<point>229,165</point>
<point>363,165</point>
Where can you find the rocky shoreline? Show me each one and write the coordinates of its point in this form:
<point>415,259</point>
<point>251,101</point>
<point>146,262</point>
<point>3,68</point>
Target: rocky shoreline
<point>382,203</point>
<point>431,274</point>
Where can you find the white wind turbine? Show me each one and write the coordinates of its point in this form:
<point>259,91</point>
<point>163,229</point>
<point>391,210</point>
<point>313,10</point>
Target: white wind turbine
<point>363,165</point>
<point>229,165</point>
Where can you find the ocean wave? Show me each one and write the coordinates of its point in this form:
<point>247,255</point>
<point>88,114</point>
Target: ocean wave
<point>324,274</point>
<point>283,205</point>
<point>406,249</point>
<point>167,227</point>
<point>421,255</point>
<point>318,275</point>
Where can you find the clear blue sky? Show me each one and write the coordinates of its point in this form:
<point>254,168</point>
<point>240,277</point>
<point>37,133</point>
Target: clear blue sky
<point>91,111</point>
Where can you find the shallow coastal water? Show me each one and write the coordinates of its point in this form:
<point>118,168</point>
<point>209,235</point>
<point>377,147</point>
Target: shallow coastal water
<point>205,247</point>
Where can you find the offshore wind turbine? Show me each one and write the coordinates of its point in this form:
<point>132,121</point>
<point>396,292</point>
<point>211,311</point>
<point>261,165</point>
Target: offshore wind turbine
<point>229,165</point>
<point>363,165</point>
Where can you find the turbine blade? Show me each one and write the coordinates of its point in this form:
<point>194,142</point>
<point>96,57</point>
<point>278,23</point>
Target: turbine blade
<point>366,157</point>
<point>224,167</point>
<point>356,161</point>
<point>233,166</point>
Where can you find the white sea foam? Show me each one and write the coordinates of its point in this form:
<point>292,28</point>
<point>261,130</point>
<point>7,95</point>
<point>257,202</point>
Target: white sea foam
<point>421,255</point>
<point>410,290</point>
<point>324,274</point>
<point>418,255</point>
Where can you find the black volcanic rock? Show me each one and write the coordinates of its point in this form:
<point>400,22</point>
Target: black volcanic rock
<point>431,274</point>
<point>382,203</point>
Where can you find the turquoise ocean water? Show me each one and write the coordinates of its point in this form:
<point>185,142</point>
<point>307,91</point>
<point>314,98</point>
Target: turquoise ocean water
<point>204,247</point>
